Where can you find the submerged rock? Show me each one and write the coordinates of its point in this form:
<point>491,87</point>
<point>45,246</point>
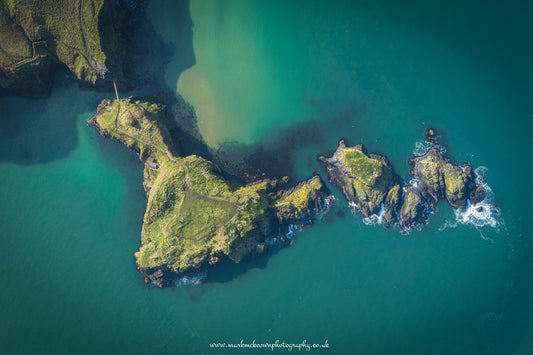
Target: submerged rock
<point>432,136</point>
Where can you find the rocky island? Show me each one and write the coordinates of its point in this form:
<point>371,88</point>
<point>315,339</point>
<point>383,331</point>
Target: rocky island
<point>198,215</point>
<point>195,217</point>
<point>369,182</point>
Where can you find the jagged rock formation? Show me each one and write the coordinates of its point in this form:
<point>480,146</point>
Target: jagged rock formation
<point>302,201</point>
<point>369,181</point>
<point>366,179</point>
<point>438,178</point>
<point>194,217</point>
<point>81,35</point>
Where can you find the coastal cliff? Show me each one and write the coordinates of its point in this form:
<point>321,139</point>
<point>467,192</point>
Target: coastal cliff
<point>195,217</point>
<point>81,35</point>
<point>369,182</point>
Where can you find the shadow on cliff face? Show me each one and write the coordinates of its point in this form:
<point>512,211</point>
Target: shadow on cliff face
<point>228,270</point>
<point>155,65</point>
<point>152,62</point>
<point>37,131</point>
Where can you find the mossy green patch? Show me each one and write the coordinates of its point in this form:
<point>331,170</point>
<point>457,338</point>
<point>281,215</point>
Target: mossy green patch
<point>369,171</point>
<point>184,228</point>
<point>143,120</point>
<point>394,195</point>
<point>432,169</point>
<point>364,179</point>
<point>443,178</point>
<point>299,201</point>
<point>455,180</point>
<point>200,216</point>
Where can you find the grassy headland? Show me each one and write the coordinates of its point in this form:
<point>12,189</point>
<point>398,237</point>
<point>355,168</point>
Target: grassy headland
<point>195,217</point>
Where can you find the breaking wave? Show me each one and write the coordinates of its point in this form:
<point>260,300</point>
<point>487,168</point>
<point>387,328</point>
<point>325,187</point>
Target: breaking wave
<point>483,214</point>
<point>286,237</point>
<point>328,201</point>
<point>422,148</point>
<point>375,218</point>
<point>191,280</point>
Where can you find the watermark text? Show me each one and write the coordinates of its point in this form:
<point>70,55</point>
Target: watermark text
<point>303,346</point>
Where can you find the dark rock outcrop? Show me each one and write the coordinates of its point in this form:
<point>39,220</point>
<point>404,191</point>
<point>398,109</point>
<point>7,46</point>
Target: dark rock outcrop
<point>369,181</point>
<point>439,178</point>
<point>302,201</point>
<point>366,179</point>
<point>393,204</point>
<point>413,209</point>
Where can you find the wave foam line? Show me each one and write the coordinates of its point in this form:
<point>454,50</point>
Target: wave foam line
<point>375,219</point>
<point>422,148</point>
<point>484,213</point>
<point>191,280</point>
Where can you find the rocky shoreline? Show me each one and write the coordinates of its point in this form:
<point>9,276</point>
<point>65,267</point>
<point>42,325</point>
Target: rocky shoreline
<point>196,218</point>
<point>198,214</point>
<point>369,182</point>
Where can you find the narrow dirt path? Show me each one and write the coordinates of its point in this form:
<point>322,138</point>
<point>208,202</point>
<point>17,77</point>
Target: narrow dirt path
<point>88,57</point>
<point>83,34</point>
<point>186,181</point>
<point>20,60</point>
<point>92,63</point>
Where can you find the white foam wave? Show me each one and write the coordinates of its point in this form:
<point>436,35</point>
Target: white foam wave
<point>405,231</point>
<point>293,228</point>
<point>353,206</point>
<point>422,148</point>
<point>290,234</point>
<point>480,215</point>
<point>328,201</point>
<point>272,241</point>
<point>447,224</point>
<point>429,210</point>
<point>484,213</point>
<point>375,218</point>
<point>191,280</point>
<point>486,238</point>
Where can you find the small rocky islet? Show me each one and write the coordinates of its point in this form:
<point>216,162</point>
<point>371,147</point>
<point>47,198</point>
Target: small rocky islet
<point>369,182</point>
<point>197,215</point>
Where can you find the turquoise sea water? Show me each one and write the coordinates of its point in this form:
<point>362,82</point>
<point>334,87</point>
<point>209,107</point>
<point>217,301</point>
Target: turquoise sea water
<point>378,72</point>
